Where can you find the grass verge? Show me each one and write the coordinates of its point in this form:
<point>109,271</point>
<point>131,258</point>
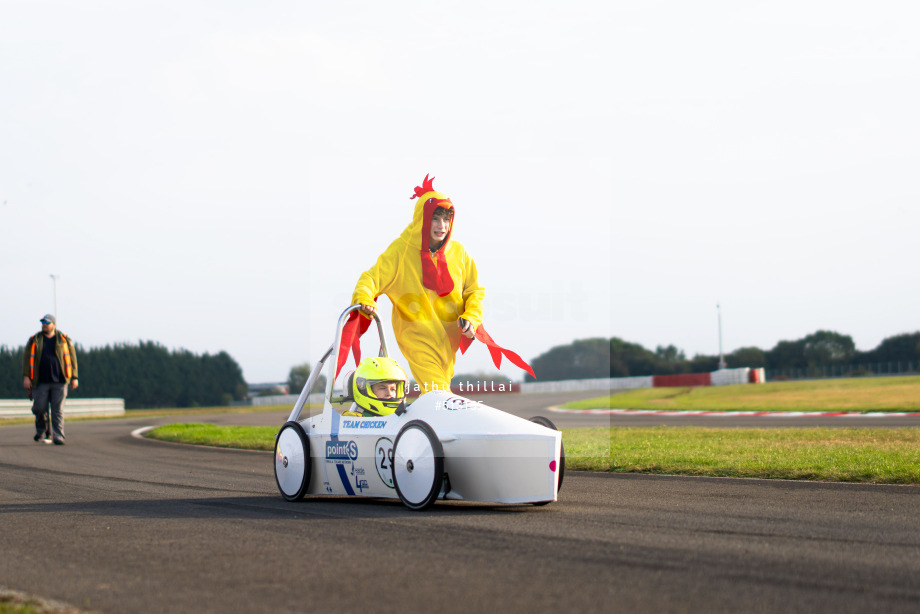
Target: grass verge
<point>871,455</point>
<point>853,394</point>
<point>240,437</point>
<point>15,602</point>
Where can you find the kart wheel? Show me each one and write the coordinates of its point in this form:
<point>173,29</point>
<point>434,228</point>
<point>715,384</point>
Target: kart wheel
<point>292,461</point>
<point>549,424</point>
<point>418,465</point>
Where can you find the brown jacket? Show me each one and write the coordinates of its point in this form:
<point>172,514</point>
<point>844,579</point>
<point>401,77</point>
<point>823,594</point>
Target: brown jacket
<point>33,353</point>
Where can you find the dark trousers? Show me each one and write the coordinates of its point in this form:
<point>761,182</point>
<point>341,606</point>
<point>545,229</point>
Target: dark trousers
<point>54,395</point>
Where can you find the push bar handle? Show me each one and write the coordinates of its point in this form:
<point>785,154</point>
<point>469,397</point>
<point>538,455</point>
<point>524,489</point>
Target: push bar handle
<point>332,351</point>
<point>330,379</point>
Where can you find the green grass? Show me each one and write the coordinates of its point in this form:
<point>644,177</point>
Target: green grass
<point>241,437</point>
<point>875,455</point>
<point>14,602</point>
<point>19,608</point>
<point>853,394</point>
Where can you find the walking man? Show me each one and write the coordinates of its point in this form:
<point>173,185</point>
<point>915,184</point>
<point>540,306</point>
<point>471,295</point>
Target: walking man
<point>49,364</point>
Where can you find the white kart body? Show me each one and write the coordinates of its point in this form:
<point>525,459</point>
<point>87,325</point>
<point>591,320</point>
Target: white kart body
<point>488,455</point>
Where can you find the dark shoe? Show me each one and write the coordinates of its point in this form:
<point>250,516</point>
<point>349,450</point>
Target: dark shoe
<point>37,436</point>
<point>58,441</point>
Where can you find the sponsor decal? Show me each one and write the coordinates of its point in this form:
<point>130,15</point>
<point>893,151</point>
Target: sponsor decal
<point>358,474</point>
<point>364,424</point>
<point>383,451</point>
<point>341,452</point>
<point>346,483</point>
<point>458,403</point>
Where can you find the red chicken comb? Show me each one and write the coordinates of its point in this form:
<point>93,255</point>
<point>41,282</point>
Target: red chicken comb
<point>427,186</point>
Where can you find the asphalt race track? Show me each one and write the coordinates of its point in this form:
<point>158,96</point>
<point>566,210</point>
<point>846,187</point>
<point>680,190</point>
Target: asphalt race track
<point>113,523</point>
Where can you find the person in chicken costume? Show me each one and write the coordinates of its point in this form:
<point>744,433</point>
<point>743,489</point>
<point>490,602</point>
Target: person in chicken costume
<point>433,285</point>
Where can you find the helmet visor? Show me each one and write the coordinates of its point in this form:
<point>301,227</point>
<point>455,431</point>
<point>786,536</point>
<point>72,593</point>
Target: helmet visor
<point>387,390</point>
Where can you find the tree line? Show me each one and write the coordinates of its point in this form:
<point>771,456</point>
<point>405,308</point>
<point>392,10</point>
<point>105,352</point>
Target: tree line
<point>601,358</point>
<point>146,375</point>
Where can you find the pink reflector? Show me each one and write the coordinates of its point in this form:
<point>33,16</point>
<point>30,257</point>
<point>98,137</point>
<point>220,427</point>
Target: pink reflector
<point>552,465</point>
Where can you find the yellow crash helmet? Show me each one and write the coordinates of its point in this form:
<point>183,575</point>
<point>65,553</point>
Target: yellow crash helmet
<point>374,371</point>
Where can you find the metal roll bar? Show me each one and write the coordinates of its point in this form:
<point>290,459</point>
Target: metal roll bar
<point>332,351</point>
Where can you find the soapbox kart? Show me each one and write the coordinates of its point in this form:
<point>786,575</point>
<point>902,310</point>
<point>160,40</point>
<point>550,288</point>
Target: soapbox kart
<point>443,446</point>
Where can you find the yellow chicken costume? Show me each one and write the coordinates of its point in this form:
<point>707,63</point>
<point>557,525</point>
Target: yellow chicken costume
<point>430,292</point>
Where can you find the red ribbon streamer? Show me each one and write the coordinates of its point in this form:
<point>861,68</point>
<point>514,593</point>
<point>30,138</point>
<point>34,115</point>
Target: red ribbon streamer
<point>351,339</point>
<point>495,350</point>
<point>356,326</point>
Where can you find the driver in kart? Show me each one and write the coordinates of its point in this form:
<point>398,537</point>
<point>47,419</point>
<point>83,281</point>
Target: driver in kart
<point>378,387</point>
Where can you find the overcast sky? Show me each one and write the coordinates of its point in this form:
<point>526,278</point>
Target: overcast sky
<point>215,175</point>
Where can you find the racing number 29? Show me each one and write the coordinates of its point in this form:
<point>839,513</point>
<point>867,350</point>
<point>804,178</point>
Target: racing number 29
<point>384,462</point>
<point>386,455</point>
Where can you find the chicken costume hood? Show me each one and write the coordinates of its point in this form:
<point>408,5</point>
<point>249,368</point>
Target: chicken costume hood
<point>430,291</point>
<point>435,273</point>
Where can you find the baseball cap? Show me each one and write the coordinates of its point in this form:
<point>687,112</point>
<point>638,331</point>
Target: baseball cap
<point>50,318</point>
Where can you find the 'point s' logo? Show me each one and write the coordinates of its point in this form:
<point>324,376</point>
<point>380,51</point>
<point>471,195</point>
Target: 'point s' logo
<point>341,450</point>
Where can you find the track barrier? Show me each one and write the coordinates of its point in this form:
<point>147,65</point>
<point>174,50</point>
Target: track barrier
<point>22,408</point>
<point>722,377</point>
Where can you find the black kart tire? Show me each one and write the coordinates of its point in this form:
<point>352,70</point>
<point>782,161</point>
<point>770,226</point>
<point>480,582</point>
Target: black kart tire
<point>418,465</point>
<point>292,461</point>
<point>549,424</point>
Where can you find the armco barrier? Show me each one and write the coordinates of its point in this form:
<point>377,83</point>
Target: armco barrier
<point>22,408</point>
<point>574,385</point>
<point>729,377</point>
<point>723,377</point>
<point>682,379</point>
<point>286,399</point>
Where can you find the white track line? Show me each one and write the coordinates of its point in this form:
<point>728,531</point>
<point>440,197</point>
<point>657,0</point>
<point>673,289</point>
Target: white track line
<point>756,414</point>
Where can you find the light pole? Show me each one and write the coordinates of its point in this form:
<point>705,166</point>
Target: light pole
<point>721,359</point>
<point>54,279</point>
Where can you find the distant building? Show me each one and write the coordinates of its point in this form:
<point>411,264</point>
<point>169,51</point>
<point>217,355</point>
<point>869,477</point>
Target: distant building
<point>268,389</point>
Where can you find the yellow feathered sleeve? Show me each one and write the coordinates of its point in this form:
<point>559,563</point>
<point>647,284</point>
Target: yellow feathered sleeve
<point>473,293</point>
<point>378,279</point>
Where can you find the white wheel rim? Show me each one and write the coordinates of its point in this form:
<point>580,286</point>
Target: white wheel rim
<point>413,465</point>
<point>290,463</point>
